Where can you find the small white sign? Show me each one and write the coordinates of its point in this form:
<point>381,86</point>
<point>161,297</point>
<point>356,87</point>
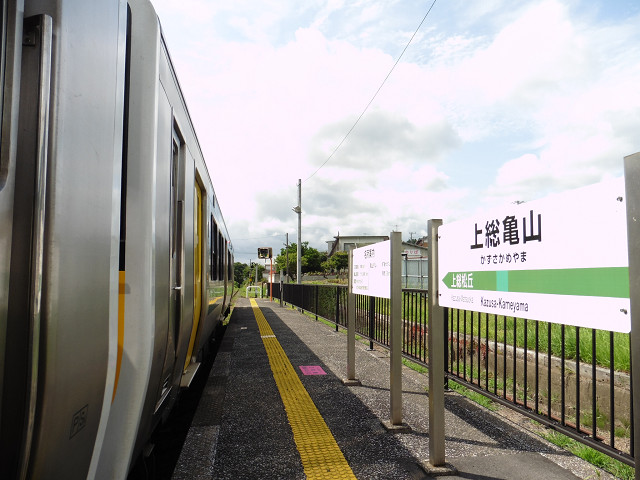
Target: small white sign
<point>561,259</point>
<point>371,272</point>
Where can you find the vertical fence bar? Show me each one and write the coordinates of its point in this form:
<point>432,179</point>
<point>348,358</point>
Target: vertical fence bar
<point>631,400</point>
<point>337,307</point>
<point>471,349</point>
<point>578,380</point>
<point>562,373</point>
<point>549,370</point>
<point>479,349</point>
<point>515,358</point>
<point>537,410</point>
<point>593,383</point>
<point>504,355</point>
<point>495,355</point>
<point>405,325</point>
<point>377,319</point>
<point>372,319</point>
<point>458,343</point>
<point>464,347</point>
<point>423,323</point>
<point>450,369</point>
<point>526,361</point>
<point>416,322</point>
<point>445,315</point>
<point>486,351</point>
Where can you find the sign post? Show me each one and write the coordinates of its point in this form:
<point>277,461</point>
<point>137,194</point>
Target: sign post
<point>376,271</point>
<point>435,328</point>
<point>632,193</point>
<point>351,331</point>
<point>395,380</point>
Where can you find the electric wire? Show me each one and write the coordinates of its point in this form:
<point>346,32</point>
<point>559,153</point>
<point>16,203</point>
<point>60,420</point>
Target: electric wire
<point>374,95</point>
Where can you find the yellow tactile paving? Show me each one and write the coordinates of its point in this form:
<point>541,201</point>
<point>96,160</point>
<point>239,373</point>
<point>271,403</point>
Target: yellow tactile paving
<point>321,457</point>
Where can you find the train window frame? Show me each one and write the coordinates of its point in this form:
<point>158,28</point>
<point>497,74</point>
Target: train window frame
<point>3,52</point>
<point>220,256</point>
<point>4,152</point>
<point>175,180</point>
<point>214,249</point>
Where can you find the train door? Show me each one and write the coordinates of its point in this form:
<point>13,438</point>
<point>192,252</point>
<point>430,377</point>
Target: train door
<point>197,268</point>
<point>17,379</point>
<point>176,226</point>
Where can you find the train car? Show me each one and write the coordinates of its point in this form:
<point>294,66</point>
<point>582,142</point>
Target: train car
<point>115,262</point>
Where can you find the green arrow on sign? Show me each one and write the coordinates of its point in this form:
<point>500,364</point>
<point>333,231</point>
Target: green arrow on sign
<point>590,282</point>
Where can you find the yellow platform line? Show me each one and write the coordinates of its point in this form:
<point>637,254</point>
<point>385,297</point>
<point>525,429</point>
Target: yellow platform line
<point>321,457</point>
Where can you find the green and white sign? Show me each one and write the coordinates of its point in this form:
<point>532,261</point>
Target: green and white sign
<point>561,259</point>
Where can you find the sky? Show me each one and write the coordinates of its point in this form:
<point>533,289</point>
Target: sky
<point>492,102</point>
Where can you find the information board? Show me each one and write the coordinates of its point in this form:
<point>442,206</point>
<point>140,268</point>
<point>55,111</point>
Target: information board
<point>562,259</point>
<point>371,272</point>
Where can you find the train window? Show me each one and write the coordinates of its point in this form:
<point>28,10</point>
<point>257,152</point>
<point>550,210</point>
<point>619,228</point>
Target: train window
<point>3,46</point>
<point>214,249</point>
<point>211,237</point>
<point>175,151</point>
<point>220,256</point>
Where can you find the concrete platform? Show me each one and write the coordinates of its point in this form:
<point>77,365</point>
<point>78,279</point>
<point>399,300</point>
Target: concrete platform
<point>241,429</point>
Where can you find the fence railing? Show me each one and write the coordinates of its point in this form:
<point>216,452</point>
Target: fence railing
<point>573,380</point>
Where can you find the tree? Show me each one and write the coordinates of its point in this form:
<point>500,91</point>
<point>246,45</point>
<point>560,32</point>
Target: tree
<point>252,272</point>
<point>339,261</point>
<point>240,273</point>
<point>312,259</point>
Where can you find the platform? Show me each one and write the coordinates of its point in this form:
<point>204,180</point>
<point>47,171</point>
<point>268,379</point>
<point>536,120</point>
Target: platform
<point>275,407</point>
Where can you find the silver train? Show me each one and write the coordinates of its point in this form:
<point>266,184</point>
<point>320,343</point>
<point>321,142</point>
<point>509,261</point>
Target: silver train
<point>115,261</point>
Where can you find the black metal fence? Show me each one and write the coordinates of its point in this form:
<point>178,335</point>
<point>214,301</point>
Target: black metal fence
<point>573,380</point>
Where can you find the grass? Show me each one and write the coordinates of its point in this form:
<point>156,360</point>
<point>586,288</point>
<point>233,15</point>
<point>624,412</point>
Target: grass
<point>474,396</point>
<point>594,457</point>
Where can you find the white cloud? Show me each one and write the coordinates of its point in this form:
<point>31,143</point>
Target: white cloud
<point>273,86</point>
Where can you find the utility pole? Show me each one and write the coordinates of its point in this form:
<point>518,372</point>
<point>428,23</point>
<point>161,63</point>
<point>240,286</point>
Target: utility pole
<point>299,262</point>
<point>298,210</point>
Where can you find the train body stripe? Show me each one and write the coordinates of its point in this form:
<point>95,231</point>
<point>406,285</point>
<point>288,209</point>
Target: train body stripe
<point>320,454</point>
<point>121,290</point>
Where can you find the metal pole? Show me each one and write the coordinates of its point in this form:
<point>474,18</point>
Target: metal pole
<point>396,328</point>
<point>632,192</point>
<point>351,330</point>
<point>271,279</point>
<point>435,328</point>
<point>299,212</point>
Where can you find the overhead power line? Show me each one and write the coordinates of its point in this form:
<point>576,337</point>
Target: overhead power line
<point>375,94</point>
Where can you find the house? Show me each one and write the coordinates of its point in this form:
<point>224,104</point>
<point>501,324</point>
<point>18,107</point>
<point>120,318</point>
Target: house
<point>348,243</point>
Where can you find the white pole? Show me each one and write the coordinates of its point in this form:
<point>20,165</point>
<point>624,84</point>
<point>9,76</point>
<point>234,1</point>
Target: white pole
<point>299,212</point>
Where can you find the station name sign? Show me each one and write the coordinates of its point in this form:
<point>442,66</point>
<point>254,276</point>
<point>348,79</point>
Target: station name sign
<point>371,270</point>
<point>561,259</point>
